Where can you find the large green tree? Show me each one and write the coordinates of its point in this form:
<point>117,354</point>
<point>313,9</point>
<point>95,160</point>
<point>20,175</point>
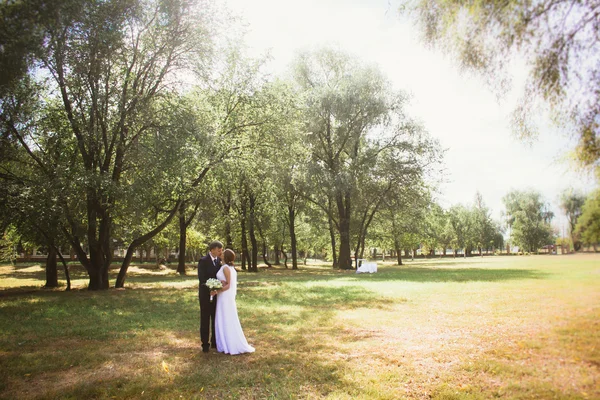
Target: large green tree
<point>437,232</point>
<point>557,39</point>
<point>402,223</point>
<point>529,220</point>
<point>588,224</point>
<point>354,119</point>
<point>463,228</point>
<point>102,67</point>
<point>571,203</point>
<point>485,231</point>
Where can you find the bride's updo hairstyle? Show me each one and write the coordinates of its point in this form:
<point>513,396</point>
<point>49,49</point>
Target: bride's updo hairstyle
<point>228,256</point>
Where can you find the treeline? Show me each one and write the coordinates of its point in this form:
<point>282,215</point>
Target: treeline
<point>120,118</point>
<point>141,124</point>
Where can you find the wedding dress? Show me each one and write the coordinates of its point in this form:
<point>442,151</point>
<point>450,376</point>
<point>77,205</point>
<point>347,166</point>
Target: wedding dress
<point>230,337</point>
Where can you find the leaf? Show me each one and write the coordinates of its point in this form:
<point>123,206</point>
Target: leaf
<point>165,367</point>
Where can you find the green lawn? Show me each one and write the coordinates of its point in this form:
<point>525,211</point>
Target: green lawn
<point>522,327</point>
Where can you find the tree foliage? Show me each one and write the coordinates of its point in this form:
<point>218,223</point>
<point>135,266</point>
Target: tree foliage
<point>356,128</point>
<point>571,203</point>
<point>559,40</point>
<point>529,219</point>
<point>588,224</point>
<point>91,102</point>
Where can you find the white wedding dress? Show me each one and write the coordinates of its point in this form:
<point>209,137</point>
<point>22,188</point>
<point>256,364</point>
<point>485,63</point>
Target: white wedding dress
<point>230,337</point>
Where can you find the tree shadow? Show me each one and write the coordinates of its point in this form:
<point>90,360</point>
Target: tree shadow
<point>315,298</point>
<point>420,274</point>
<point>82,323</point>
<point>428,271</point>
<point>399,273</point>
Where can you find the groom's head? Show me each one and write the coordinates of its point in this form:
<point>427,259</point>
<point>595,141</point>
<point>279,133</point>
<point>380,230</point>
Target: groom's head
<point>215,248</point>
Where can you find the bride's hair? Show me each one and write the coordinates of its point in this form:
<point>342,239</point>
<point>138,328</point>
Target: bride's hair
<point>228,256</point>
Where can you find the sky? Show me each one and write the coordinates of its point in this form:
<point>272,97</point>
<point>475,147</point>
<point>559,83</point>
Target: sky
<point>482,153</point>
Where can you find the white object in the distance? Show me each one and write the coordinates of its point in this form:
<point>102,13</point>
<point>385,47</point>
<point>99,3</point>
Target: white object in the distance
<point>365,267</point>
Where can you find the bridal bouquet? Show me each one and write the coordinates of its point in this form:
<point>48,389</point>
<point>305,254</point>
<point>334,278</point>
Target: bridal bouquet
<point>213,284</point>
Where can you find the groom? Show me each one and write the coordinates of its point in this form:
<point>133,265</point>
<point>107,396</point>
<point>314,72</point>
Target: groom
<point>208,266</point>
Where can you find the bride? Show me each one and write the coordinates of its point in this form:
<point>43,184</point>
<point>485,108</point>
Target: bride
<point>230,337</point>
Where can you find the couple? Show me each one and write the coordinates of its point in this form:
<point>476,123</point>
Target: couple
<point>227,335</point>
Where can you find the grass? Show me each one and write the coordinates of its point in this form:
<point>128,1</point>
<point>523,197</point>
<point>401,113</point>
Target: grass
<point>494,327</point>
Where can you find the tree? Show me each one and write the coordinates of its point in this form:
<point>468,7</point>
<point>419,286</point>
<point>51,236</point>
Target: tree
<point>353,117</point>
<point>7,244</point>
<point>403,219</point>
<point>588,224</point>
<point>28,203</point>
<point>437,232</point>
<point>557,39</point>
<point>102,68</point>
<point>484,229</point>
<point>571,203</point>
<point>230,103</point>
<point>529,219</point>
<point>462,222</point>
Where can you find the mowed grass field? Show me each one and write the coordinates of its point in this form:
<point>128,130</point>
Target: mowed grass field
<point>521,327</point>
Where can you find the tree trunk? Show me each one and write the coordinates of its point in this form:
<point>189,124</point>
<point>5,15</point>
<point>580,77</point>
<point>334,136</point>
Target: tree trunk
<point>251,223</point>
<point>292,227</point>
<point>398,251</point>
<point>66,267</point>
<point>359,249</point>
<point>140,241</point>
<point>183,225</point>
<point>99,256</point>
<point>182,242</point>
<point>333,244</point>
<point>343,203</point>
<point>264,254</point>
<point>253,267</point>
<point>276,253</point>
<point>89,263</point>
<point>96,278</point>
<point>285,257</point>
<point>244,239</point>
<point>51,270</point>
<point>227,209</point>
<point>52,248</point>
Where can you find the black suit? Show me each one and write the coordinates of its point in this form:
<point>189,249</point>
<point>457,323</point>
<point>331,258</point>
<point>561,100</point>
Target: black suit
<point>206,270</point>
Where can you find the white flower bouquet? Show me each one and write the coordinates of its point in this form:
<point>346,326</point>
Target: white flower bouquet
<point>213,284</point>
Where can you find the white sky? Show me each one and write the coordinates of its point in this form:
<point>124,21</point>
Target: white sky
<point>458,110</point>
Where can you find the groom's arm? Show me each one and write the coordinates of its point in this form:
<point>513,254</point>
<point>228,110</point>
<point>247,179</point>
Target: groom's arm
<point>202,272</point>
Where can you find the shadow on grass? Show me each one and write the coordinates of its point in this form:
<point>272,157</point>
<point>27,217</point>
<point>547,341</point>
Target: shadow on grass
<point>143,275</point>
<point>317,298</point>
<point>104,344</point>
<point>411,274</point>
<point>420,274</point>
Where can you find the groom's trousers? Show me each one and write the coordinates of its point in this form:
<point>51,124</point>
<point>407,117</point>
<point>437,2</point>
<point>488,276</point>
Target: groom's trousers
<point>207,318</point>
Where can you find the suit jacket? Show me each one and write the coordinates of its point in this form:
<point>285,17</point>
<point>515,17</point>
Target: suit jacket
<point>207,270</point>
